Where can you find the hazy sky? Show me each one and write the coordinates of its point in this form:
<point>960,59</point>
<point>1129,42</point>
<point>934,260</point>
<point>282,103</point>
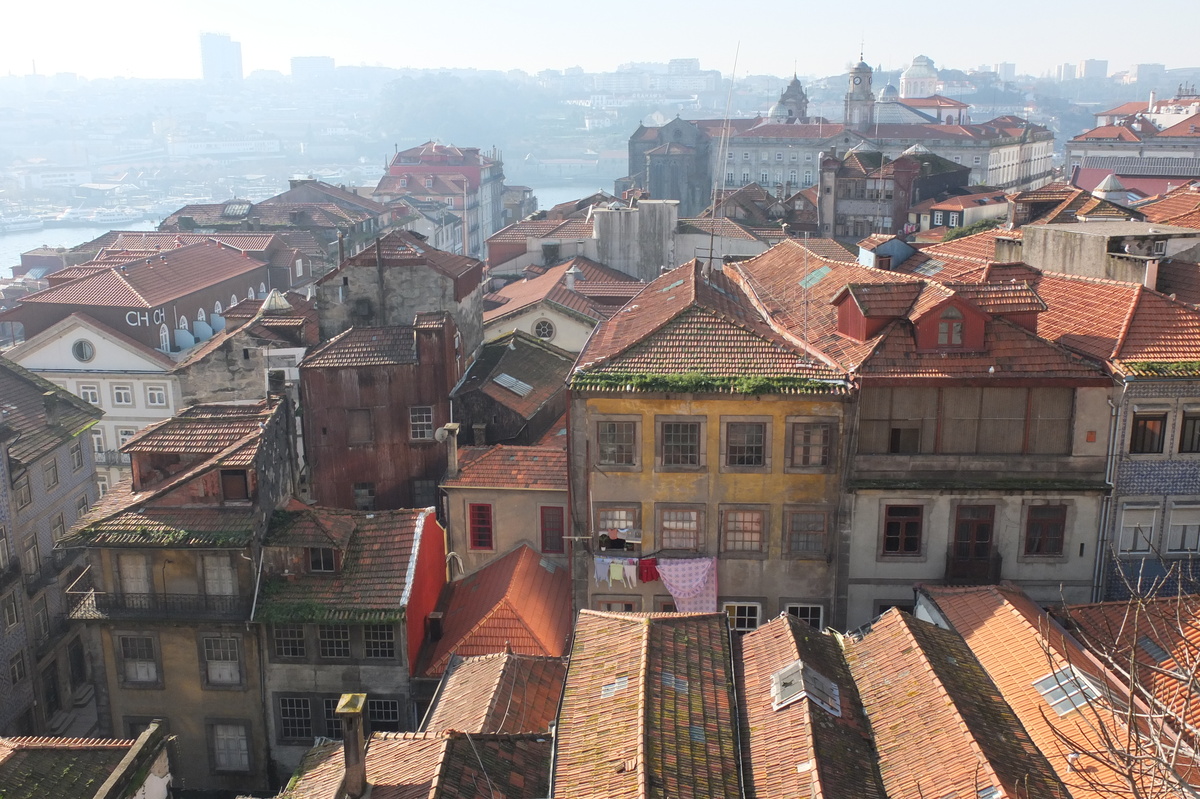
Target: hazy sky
<point>138,38</point>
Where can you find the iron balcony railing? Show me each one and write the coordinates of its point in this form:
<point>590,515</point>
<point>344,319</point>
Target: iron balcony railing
<point>94,605</point>
<point>973,571</point>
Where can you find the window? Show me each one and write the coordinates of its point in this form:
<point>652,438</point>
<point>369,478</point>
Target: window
<point>745,444</point>
<point>383,715</point>
<point>745,178</point>
<point>763,177</point>
<point>902,529</point>
<point>123,436</point>
<point>289,640</point>
<point>83,350</point>
<point>1045,530</point>
<point>1147,435</point>
<point>8,604</point>
<point>82,506</point>
<point>359,429</point>
<point>221,661</point>
<point>235,485</point>
<point>231,749</point>
<point>729,176</point>
<point>679,528</point>
<point>743,616</point>
<point>617,606</point>
<point>1066,690</point>
<point>156,396</point>
<point>58,527</point>
<point>742,530</point>
<point>50,474</point>
<point>139,664</point>
<point>219,577</point>
<point>746,155</point>
<point>420,423</point>
<point>1184,533</point>
<point>334,640</point>
<point>1189,439</point>
<point>321,559</point>
<point>333,724</point>
<point>16,668</point>
<point>479,521</point>
<point>613,521</point>
<point>122,394</point>
<point>429,183</point>
<point>424,493</point>
<point>812,444</point>
<point>76,455</point>
<point>97,441</point>
<point>543,329</point>
<point>978,160</point>
<point>3,550</point>
<point>22,494</point>
<point>680,444</point>
<point>617,443</point>
<point>164,338</point>
<point>1137,529</point>
<point>553,524</point>
<point>31,562</point>
<point>805,531</point>
<point>101,484</point>
<point>133,574</point>
<point>950,328</point>
<point>937,217</point>
<point>379,641</point>
<point>295,718</point>
<point>364,496</point>
<point>778,156</point>
<point>813,614</point>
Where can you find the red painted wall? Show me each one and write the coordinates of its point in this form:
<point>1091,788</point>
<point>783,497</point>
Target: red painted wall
<point>429,577</point>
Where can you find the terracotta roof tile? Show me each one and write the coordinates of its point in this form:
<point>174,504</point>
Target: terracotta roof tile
<point>204,429</point>
<point>1018,644</point>
<point>153,281</point>
<point>647,709</point>
<point>801,749</point>
<point>24,397</point>
<point>1000,298</point>
<point>520,601</point>
<point>940,725</point>
<point>403,249</point>
<point>1178,202</point>
<point>372,582</point>
<point>39,767</point>
<point>175,528</point>
<point>501,693</point>
<point>365,346</point>
<point>541,367</point>
<point>550,284</point>
<point>506,466</point>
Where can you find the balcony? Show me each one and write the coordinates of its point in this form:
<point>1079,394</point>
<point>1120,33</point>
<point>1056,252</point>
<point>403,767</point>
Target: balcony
<point>161,607</point>
<point>112,457</point>
<point>973,571</point>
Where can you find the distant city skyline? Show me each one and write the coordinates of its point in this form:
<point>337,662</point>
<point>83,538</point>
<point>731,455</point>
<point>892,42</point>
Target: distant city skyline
<point>138,38</point>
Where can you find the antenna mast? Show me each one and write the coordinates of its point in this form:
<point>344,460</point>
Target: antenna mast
<point>722,151</point>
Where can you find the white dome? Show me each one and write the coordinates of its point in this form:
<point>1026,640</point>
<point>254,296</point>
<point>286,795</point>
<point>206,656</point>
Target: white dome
<point>922,67</point>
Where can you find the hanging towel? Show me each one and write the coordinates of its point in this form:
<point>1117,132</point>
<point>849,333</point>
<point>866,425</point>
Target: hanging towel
<point>616,572</point>
<point>648,570</point>
<point>630,567</point>
<point>601,570</point>
<point>692,583</point>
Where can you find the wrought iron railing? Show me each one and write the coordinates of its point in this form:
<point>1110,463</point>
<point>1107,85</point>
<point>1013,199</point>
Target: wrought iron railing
<point>973,571</point>
<point>93,605</point>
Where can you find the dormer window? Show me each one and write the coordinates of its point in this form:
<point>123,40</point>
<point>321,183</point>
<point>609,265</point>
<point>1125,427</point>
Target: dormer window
<point>322,559</point>
<point>234,485</point>
<point>950,328</point>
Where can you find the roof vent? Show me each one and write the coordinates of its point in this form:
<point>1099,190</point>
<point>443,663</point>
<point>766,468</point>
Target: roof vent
<point>518,387</point>
<point>797,681</point>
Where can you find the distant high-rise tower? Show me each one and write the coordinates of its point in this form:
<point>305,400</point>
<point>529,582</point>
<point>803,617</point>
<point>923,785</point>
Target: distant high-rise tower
<point>1006,71</point>
<point>220,58</point>
<point>1093,68</point>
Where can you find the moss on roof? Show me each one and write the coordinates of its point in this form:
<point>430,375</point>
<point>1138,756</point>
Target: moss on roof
<point>699,383</point>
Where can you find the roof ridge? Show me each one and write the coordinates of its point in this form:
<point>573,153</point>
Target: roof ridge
<point>643,770</point>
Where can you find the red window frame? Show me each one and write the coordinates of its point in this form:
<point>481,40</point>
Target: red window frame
<point>553,527</point>
<point>479,522</point>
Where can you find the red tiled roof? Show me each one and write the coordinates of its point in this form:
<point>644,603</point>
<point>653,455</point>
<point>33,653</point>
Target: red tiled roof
<point>501,693</point>
<point>800,749</point>
<point>1118,132</point>
<point>1188,128</point>
<point>1178,202</point>
<point>405,249</point>
<point>525,359</point>
<point>1018,644</point>
<point>365,346</point>
<point>520,601</point>
<point>150,282</point>
<point>507,466</point>
<point>204,429</point>
<point>725,228</point>
<point>778,130</point>
<point>684,322</point>
<point>39,767</point>
<point>1000,298</point>
<point>372,582</point>
<point>550,285</point>
<point>647,710</point>
<point>940,725</point>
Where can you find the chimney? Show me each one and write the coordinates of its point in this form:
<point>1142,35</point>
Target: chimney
<point>50,403</point>
<point>451,429</point>
<point>480,431</point>
<point>1150,280</point>
<point>1150,108</point>
<point>570,275</point>
<point>350,711</point>
<point>341,247</point>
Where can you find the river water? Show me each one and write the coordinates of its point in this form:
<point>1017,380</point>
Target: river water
<point>13,244</point>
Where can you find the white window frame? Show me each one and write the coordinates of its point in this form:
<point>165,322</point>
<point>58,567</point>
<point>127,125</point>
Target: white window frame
<point>420,423</point>
<point>1129,541</point>
<point>1183,531</point>
<point>231,747</point>
<point>219,667</point>
<point>90,393</point>
<point>122,394</point>
<point>153,393</point>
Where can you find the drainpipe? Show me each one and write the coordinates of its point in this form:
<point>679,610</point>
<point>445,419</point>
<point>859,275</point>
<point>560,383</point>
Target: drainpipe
<point>1106,503</point>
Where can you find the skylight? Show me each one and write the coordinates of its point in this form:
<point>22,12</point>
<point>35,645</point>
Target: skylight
<point>797,681</point>
<point>610,690</point>
<point>814,277</point>
<point>1065,690</point>
<point>678,684</point>
<point>1153,650</point>
<point>518,387</point>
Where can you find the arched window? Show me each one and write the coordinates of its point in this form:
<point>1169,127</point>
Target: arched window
<point>950,328</point>
<point>183,325</point>
<point>250,293</point>
<point>164,338</point>
<point>200,315</point>
<point>217,307</point>
<point>262,289</point>
<point>232,300</point>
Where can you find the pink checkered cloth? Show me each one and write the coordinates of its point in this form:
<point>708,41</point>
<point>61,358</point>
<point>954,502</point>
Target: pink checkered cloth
<point>692,583</point>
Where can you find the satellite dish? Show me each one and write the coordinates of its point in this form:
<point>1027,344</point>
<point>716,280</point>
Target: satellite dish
<point>440,435</point>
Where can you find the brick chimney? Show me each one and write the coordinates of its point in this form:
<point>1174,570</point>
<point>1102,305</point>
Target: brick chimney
<point>451,429</point>
<point>50,402</point>
<point>350,711</point>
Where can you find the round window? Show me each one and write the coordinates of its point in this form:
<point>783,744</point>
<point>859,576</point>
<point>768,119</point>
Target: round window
<point>543,329</point>
<point>83,350</point>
